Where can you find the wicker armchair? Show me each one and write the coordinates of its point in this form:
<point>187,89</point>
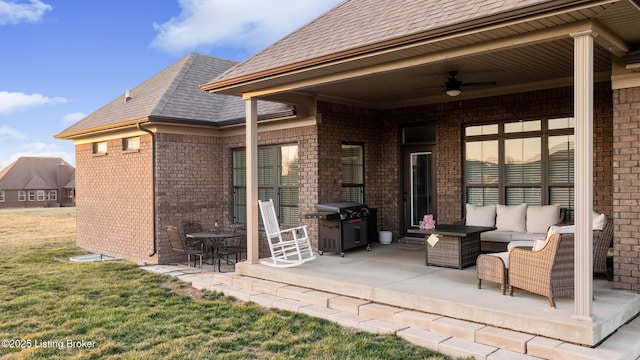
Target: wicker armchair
<point>602,240</point>
<point>547,272</point>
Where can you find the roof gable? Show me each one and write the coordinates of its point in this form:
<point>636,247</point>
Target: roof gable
<point>38,183</point>
<point>36,173</point>
<point>174,93</point>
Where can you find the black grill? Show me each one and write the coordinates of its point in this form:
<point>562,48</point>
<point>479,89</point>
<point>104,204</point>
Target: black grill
<point>344,226</point>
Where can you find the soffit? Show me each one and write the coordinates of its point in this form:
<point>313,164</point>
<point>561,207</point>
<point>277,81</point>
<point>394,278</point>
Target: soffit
<point>543,59</point>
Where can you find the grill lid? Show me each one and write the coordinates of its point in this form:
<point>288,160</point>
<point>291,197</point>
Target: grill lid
<point>340,207</point>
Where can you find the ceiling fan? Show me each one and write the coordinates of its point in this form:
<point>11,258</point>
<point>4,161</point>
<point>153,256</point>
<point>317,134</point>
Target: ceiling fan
<point>454,85</point>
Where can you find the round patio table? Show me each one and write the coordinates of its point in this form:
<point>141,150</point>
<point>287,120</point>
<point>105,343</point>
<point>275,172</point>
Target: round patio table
<point>215,240</point>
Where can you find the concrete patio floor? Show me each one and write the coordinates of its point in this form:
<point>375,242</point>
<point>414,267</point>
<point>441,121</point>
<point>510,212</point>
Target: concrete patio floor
<point>392,280</point>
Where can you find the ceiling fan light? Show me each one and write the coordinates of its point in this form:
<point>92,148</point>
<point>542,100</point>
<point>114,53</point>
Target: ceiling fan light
<point>453,92</point>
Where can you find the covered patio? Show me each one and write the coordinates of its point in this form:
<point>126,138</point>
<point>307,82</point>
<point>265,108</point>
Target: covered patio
<point>547,58</point>
<point>395,275</point>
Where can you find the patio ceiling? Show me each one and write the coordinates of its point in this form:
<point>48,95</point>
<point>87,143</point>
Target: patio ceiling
<point>520,55</point>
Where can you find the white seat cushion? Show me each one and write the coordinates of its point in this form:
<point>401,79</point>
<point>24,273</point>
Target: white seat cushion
<point>502,255</point>
<point>527,244</point>
<point>538,244</point>
<point>569,229</point>
<point>497,236</point>
<point>528,237</point>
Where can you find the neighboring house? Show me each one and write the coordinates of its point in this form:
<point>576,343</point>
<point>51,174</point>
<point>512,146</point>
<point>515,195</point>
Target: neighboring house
<point>37,182</point>
<point>154,157</point>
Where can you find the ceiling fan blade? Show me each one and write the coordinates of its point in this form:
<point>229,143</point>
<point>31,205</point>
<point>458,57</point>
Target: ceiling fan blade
<point>485,83</point>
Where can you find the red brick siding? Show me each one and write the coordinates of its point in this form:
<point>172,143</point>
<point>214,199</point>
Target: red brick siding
<point>626,185</point>
<point>189,185</point>
<point>114,197</point>
<point>342,123</point>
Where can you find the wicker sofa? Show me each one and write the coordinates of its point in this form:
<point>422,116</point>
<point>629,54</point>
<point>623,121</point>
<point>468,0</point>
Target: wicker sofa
<point>513,223</point>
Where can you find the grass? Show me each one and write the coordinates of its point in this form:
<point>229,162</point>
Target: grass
<point>115,310</point>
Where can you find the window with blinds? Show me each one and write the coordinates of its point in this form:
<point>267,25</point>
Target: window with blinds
<point>277,180</point>
<point>353,173</point>
<point>520,162</point>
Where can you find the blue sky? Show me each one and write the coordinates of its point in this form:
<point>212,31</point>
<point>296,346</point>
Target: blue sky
<point>61,60</point>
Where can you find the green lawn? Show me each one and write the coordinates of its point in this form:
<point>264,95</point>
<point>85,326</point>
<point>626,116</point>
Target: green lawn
<point>53,308</point>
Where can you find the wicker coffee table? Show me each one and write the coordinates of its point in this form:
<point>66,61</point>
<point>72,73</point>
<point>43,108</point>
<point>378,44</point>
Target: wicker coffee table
<point>458,246</point>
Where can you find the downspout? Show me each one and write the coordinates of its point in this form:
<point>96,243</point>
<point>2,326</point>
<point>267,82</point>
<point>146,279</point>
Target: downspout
<point>153,187</point>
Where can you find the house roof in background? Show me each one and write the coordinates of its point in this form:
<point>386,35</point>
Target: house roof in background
<point>357,26</point>
<point>175,94</point>
<point>36,173</point>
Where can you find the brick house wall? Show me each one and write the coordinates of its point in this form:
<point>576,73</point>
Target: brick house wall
<point>189,184</point>
<point>342,123</point>
<point>380,131</point>
<point>11,201</point>
<point>626,184</point>
<point>114,200</point>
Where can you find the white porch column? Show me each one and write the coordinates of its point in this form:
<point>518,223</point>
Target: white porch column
<point>583,173</point>
<point>251,128</point>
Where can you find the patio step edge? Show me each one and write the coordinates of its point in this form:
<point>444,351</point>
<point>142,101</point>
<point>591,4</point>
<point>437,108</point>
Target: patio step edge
<point>452,337</point>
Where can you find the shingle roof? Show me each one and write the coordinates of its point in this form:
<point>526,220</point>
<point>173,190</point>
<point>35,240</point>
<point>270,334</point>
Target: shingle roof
<point>36,182</point>
<point>36,173</point>
<point>173,93</point>
<point>362,24</point>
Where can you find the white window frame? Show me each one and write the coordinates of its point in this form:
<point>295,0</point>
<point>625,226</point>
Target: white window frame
<point>40,195</point>
<point>32,195</point>
<point>52,195</point>
<point>1,195</point>
<point>22,195</point>
<point>131,144</point>
<point>100,148</point>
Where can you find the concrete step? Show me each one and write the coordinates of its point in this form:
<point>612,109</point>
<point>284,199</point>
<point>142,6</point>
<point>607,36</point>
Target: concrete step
<point>453,337</point>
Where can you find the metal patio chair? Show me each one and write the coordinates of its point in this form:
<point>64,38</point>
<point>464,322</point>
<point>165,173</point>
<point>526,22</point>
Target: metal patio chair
<point>181,245</point>
<point>235,245</point>
<point>190,227</point>
<point>289,247</point>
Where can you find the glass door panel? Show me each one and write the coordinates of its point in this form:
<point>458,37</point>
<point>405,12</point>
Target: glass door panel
<point>420,195</point>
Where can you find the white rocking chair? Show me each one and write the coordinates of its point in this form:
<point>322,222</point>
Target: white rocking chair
<point>289,247</point>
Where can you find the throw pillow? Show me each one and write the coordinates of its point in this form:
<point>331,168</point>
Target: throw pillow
<point>481,215</point>
<point>539,218</point>
<point>599,220</point>
<point>511,217</point>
